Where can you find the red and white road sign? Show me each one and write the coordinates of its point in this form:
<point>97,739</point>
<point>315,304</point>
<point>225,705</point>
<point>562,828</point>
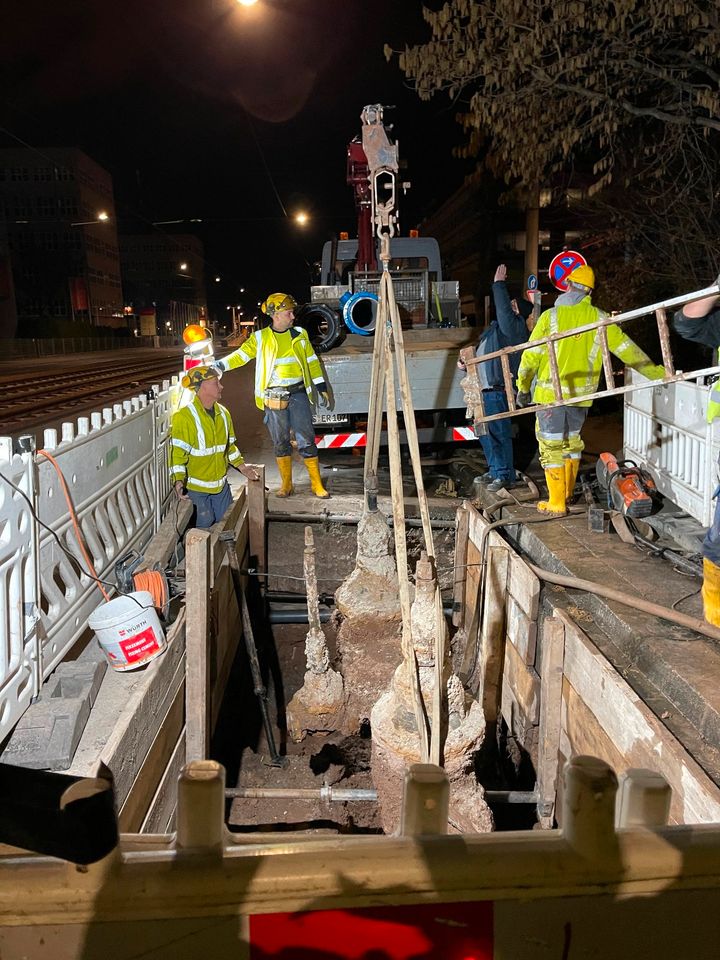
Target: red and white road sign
<point>563,265</point>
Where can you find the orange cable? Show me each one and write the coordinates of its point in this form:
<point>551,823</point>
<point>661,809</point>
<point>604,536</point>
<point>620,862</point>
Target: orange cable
<point>155,583</point>
<point>73,515</point>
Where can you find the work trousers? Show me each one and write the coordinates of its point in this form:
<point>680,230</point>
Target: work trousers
<point>297,416</point>
<point>497,442</point>
<point>210,507</point>
<point>558,435</point>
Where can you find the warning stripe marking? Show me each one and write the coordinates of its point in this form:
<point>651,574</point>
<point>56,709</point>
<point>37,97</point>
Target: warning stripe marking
<point>333,441</point>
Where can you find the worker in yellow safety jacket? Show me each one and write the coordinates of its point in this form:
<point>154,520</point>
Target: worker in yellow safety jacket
<point>287,375</point>
<point>202,445</point>
<point>579,361</point>
<point>700,322</point>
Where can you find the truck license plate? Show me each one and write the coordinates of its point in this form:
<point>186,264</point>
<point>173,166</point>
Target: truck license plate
<point>321,418</point>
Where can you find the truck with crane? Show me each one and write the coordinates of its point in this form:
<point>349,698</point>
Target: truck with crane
<point>341,314</point>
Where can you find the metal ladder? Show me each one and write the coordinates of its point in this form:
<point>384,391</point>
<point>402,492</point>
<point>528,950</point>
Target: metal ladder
<point>471,383</point>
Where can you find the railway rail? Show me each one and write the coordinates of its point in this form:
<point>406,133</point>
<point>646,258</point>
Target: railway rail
<point>37,400</point>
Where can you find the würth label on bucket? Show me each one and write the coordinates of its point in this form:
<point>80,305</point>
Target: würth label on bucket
<point>128,630</point>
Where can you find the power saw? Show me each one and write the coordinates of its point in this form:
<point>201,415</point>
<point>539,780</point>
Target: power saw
<point>630,489</point>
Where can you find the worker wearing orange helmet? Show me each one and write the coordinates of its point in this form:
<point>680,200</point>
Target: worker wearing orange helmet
<point>202,445</point>
<point>287,376</point>
<point>579,361</point>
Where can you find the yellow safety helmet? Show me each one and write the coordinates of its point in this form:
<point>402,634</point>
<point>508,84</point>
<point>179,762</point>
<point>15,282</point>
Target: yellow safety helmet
<point>277,302</point>
<point>583,275</point>
<point>198,375</point>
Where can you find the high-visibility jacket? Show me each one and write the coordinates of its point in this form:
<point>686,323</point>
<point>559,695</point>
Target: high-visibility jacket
<point>262,346</point>
<point>580,357</point>
<point>201,446</point>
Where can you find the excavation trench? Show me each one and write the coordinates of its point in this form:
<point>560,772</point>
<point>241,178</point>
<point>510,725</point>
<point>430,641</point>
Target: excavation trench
<point>328,782</point>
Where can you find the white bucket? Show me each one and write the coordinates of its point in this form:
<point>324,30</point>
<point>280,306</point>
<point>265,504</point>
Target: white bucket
<point>128,630</point>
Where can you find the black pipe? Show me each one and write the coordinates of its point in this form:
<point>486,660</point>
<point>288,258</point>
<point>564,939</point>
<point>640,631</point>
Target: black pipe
<point>296,616</point>
<point>351,520</point>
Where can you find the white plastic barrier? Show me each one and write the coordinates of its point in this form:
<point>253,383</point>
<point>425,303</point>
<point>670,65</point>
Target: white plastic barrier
<point>115,466</point>
<point>666,431</point>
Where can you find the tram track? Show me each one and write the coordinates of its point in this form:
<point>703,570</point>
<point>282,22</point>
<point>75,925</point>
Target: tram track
<point>40,401</point>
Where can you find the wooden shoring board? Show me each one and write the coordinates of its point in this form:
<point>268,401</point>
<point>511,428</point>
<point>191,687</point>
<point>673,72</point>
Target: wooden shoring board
<point>524,586</point>
<point>161,812</point>
<point>614,714</point>
<point>226,624</point>
<point>197,609</point>
<point>492,633</point>
<point>551,692</point>
<point>521,631</point>
<point>524,683</point>
<point>136,727</point>
<point>257,509</point>
<point>460,560</point>
<point>155,764</point>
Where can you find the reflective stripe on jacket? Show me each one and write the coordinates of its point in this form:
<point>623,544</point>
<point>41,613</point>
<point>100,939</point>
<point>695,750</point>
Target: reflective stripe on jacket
<point>201,446</point>
<point>580,357</point>
<point>262,346</point>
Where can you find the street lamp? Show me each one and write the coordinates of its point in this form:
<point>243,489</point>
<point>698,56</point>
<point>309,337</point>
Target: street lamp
<point>301,218</point>
<point>217,279</point>
<point>101,218</point>
<point>183,266</point>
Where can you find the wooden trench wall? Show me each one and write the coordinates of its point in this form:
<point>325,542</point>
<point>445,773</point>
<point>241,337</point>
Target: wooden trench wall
<point>532,666</point>
<point>170,716</point>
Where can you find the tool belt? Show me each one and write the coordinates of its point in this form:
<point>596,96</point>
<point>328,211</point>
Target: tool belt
<point>277,398</point>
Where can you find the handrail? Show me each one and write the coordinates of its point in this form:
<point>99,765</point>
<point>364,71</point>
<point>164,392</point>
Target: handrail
<point>671,374</point>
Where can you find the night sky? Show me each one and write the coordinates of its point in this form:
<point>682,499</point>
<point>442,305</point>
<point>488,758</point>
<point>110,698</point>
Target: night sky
<point>204,109</point>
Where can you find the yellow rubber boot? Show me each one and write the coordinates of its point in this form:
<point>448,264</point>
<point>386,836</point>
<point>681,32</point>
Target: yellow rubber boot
<point>286,484</point>
<point>555,479</point>
<point>571,472</point>
<point>313,468</point>
<point>711,592</point>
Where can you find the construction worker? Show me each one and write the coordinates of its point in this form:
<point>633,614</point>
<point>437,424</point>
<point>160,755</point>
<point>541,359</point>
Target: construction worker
<point>579,361</point>
<point>287,374</point>
<point>507,330</point>
<point>202,444</point>
<point>700,322</point>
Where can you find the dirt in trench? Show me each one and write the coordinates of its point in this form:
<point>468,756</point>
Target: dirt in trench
<point>335,758</point>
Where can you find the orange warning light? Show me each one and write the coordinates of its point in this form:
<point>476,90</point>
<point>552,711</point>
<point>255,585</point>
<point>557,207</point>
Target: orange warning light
<point>194,333</point>
<point>414,233</point>
<point>344,235</point>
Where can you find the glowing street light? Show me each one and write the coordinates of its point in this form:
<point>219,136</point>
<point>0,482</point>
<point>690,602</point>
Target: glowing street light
<point>217,279</point>
<point>183,266</point>
<point>101,218</point>
<point>301,218</point>
<point>247,3</point>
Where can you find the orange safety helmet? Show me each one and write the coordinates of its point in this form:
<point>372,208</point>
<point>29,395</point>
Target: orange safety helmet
<point>198,375</point>
<point>196,333</point>
<point>277,302</point>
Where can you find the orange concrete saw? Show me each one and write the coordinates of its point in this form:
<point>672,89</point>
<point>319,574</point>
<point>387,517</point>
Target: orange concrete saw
<point>630,489</point>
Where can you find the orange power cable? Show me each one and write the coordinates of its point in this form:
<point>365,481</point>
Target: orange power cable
<point>73,516</point>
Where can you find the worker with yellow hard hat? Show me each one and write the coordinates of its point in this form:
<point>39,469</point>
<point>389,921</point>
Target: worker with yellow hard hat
<point>700,322</point>
<point>579,361</point>
<point>288,376</point>
<point>202,445</point>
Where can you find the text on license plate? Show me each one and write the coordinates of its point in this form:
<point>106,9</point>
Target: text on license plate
<point>329,418</point>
